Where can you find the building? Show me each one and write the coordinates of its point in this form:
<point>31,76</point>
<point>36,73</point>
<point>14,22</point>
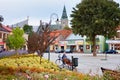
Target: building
<point>4,32</point>
<point>75,43</point>
<point>63,21</point>
<point>80,44</point>
<point>64,18</point>
<point>114,43</point>
<point>57,43</point>
<point>100,44</point>
<point>20,24</point>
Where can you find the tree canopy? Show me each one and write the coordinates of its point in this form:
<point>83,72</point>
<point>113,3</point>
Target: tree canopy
<point>28,29</point>
<point>16,40</point>
<point>95,17</point>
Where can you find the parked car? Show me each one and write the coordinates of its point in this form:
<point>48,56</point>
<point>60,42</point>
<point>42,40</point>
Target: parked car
<point>59,51</point>
<point>111,52</point>
<point>68,51</point>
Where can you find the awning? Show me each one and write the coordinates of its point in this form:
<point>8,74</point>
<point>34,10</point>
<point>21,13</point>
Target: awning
<point>113,41</point>
<point>118,31</point>
<point>2,43</point>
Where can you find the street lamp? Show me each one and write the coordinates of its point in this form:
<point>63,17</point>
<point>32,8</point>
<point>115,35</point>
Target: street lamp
<point>1,18</point>
<point>53,16</point>
<point>105,52</point>
<point>106,45</point>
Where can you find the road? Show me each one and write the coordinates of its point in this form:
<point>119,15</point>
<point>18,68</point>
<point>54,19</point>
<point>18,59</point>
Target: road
<point>89,64</point>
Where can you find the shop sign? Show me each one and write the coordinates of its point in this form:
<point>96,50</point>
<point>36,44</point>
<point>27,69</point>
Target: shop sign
<point>71,42</point>
<point>80,42</point>
<point>62,43</point>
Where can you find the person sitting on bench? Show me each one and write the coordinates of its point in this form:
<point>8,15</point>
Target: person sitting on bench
<point>65,60</point>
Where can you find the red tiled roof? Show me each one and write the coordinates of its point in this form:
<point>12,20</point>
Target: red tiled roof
<point>63,33</point>
<point>7,28</point>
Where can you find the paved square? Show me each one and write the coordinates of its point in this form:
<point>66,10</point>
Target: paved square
<point>89,64</point>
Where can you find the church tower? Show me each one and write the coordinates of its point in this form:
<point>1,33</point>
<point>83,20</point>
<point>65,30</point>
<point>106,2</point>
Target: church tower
<point>64,18</point>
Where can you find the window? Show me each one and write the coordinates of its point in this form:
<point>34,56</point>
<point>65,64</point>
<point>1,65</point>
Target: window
<point>87,46</point>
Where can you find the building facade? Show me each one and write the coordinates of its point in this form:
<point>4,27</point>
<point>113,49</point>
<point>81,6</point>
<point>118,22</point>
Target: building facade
<point>80,44</point>
<point>60,40</point>
<point>114,43</point>
<point>4,32</point>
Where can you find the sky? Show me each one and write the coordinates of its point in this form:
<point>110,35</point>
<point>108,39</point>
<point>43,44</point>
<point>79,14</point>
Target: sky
<point>15,11</point>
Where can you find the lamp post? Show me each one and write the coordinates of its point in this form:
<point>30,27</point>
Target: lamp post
<point>106,37</point>
<point>106,46</point>
<point>53,16</point>
<point>105,52</point>
<point>1,18</point>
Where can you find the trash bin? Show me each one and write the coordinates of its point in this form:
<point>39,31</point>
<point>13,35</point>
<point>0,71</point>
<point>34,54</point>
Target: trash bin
<point>75,62</point>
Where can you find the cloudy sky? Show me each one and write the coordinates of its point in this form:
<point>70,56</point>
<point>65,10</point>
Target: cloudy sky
<point>15,11</point>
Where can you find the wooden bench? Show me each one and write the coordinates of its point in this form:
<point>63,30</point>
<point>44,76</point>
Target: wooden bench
<point>112,73</point>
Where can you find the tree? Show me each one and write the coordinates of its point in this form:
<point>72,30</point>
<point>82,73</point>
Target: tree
<point>95,17</point>
<point>16,40</point>
<point>67,28</point>
<point>28,29</point>
<point>39,41</point>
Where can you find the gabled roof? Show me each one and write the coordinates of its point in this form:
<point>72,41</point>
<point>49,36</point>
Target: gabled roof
<point>20,24</point>
<point>5,28</point>
<point>52,27</point>
<point>2,29</point>
<point>63,34</point>
<point>55,27</point>
<point>74,37</point>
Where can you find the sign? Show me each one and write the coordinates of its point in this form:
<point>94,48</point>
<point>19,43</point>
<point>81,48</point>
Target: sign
<point>80,42</point>
<point>61,43</point>
<point>71,42</point>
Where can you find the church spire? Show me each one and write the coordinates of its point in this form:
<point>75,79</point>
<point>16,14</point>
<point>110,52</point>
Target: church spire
<point>64,14</point>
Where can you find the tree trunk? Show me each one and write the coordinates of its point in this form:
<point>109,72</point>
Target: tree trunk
<point>94,47</point>
<point>17,54</point>
<point>40,59</point>
<point>39,54</point>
